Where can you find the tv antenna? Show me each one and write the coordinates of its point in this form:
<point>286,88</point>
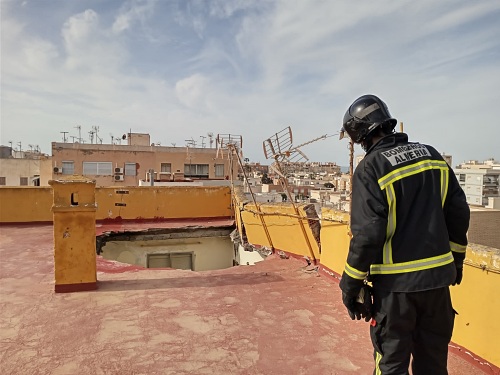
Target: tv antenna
<point>211,138</point>
<point>202,141</point>
<point>190,142</point>
<point>280,148</point>
<point>230,145</point>
<point>64,136</point>
<point>95,130</point>
<point>79,128</point>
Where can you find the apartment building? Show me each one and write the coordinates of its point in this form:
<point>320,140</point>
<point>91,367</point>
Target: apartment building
<point>20,168</point>
<point>126,165</point>
<point>480,181</point>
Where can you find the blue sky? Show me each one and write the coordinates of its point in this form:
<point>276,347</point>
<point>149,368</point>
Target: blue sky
<point>181,69</point>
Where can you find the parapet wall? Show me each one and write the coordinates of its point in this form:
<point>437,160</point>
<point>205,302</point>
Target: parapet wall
<point>33,204</point>
<point>277,225</point>
<point>484,228</point>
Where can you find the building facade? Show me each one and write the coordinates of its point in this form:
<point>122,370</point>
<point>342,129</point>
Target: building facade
<point>20,168</point>
<point>480,181</point>
<point>127,165</point>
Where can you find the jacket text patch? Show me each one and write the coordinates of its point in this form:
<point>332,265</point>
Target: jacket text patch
<point>405,153</point>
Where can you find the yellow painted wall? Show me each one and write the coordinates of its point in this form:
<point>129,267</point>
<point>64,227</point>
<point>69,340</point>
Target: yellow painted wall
<point>148,202</point>
<point>477,303</point>
<point>282,224</point>
<point>23,204</point>
<point>74,231</point>
<point>74,242</point>
<point>33,204</point>
<point>335,239</point>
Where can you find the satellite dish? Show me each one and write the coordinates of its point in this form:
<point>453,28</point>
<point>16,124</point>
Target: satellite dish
<point>124,136</point>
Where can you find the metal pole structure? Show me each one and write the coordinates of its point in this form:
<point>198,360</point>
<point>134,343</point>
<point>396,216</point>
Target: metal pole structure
<point>285,184</point>
<point>151,177</point>
<point>351,172</point>
<point>264,225</point>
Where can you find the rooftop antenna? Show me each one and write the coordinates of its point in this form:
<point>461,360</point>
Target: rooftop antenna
<point>280,148</point>
<point>202,141</point>
<point>73,138</point>
<point>20,148</point>
<point>211,138</point>
<point>97,138</point>
<point>230,145</point>
<point>79,127</point>
<point>351,171</point>
<point>64,136</point>
<point>112,138</point>
<point>173,144</point>
<point>190,142</point>
<point>31,148</point>
<point>91,133</point>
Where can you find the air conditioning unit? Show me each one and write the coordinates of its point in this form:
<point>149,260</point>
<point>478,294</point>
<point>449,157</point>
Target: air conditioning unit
<point>119,170</point>
<point>57,170</point>
<point>118,177</point>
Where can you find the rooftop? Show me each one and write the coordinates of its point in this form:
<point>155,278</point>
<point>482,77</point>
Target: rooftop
<point>277,317</point>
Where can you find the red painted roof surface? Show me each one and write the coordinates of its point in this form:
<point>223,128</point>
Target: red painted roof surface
<point>272,318</point>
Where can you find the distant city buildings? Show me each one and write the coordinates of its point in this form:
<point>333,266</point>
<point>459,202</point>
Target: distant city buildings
<point>20,168</point>
<point>480,182</point>
<point>116,164</point>
<point>139,162</point>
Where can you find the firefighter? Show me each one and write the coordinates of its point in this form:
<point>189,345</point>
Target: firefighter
<point>409,223</point>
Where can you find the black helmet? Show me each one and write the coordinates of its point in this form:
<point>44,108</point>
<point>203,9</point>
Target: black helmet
<point>366,114</point>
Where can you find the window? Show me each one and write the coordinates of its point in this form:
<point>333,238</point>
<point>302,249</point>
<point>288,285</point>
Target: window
<point>98,168</point>
<point>2,181</point>
<point>68,167</point>
<point>166,167</point>
<point>219,170</point>
<point>196,170</point>
<point>23,181</point>
<point>183,261</point>
<point>130,169</point>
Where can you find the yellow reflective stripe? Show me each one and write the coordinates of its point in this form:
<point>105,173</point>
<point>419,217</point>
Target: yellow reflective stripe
<point>378,357</point>
<point>457,248</point>
<point>391,225</point>
<point>412,266</point>
<point>444,184</point>
<point>410,170</point>
<point>354,273</point>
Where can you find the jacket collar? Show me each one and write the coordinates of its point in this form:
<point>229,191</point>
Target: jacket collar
<point>389,140</point>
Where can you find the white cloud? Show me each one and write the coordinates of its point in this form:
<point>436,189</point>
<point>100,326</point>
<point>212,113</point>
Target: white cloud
<point>192,92</point>
<point>253,68</point>
<point>131,12</point>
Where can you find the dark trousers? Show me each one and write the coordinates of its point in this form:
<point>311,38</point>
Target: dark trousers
<point>417,324</point>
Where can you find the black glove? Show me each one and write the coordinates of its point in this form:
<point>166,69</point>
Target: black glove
<point>460,274</point>
<point>359,306</point>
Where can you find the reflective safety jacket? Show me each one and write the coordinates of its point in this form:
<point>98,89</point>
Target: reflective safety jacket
<point>409,218</point>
